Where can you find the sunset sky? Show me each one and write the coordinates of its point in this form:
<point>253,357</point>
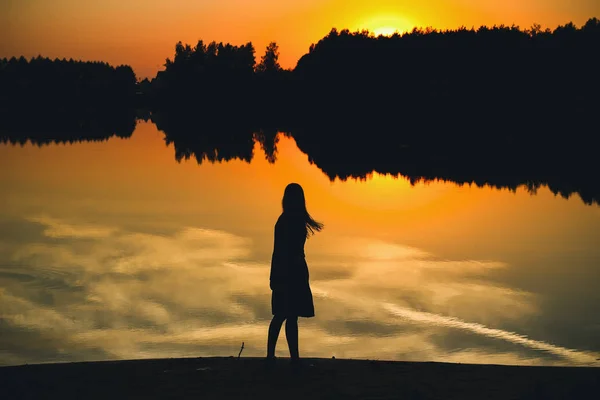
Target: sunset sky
<point>142,33</point>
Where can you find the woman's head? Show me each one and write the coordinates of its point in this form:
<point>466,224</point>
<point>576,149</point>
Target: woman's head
<point>294,203</point>
<point>293,199</point>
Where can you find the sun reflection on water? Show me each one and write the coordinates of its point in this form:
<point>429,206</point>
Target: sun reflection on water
<point>129,269</point>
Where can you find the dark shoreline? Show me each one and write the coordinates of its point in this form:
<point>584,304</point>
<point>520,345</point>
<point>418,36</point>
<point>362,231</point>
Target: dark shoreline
<point>229,378</point>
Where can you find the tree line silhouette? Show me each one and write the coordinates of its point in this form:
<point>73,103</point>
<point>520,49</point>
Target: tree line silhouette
<point>499,106</point>
<point>499,83</point>
<point>46,100</point>
<point>218,78</point>
<point>502,79</point>
<point>64,83</point>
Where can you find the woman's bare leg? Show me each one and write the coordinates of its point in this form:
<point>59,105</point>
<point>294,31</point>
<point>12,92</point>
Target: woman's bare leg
<point>274,329</point>
<point>291,334</point>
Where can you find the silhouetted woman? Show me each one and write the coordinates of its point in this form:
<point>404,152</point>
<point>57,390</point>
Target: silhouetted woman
<point>291,295</point>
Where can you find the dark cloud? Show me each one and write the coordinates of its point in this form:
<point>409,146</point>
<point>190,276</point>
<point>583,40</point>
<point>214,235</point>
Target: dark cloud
<point>18,276</point>
<point>20,231</point>
<point>368,328</point>
<point>41,286</point>
<point>207,317</point>
<point>20,345</point>
<point>259,305</point>
<point>452,340</point>
<point>568,297</point>
<point>331,273</point>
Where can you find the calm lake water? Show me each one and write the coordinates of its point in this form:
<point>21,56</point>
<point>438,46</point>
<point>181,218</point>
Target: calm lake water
<point>114,250</point>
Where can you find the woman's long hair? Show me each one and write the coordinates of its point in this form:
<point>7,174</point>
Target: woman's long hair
<point>294,204</point>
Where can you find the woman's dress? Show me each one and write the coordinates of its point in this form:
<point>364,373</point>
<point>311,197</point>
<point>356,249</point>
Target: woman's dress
<point>291,294</point>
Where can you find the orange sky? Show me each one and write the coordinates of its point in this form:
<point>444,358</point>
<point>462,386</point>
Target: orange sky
<point>143,33</point>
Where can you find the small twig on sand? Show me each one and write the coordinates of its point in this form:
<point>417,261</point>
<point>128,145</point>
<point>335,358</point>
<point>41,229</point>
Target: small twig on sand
<point>242,349</point>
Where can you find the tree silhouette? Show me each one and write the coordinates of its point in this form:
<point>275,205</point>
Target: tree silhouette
<point>212,75</point>
<point>46,101</point>
<point>269,62</point>
<point>499,105</point>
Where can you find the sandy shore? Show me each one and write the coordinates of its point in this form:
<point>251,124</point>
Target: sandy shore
<point>230,378</point>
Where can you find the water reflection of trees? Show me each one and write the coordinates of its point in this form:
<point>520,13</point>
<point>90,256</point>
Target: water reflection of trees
<point>496,106</point>
<point>54,101</point>
<point>46,126</point>
<point>220,139</point>
<point>355,151</point>
<point>352,150</point>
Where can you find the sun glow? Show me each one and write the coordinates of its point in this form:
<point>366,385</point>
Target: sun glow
<point>387,25</point>
<point>385,31</point>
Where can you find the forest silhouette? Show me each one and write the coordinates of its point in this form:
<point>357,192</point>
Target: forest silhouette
<point>500,106</point>
<point>52,101</point>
